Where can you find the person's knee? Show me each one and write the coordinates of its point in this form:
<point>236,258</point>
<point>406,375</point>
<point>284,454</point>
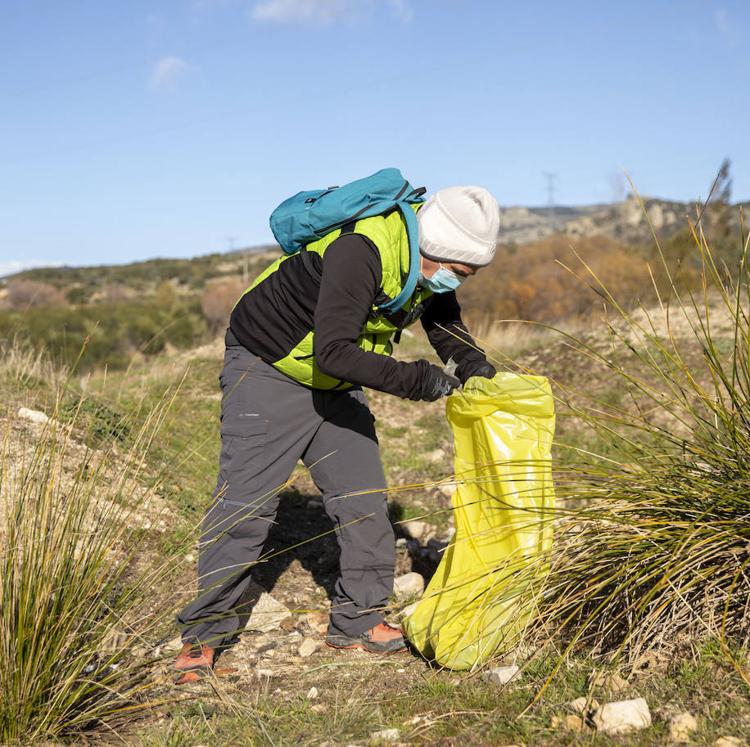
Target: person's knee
<point>371,504</point>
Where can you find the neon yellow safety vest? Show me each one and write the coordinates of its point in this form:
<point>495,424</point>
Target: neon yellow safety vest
<point>388,234</point>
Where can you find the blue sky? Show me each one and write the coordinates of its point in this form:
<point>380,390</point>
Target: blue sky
<point>139,129</point>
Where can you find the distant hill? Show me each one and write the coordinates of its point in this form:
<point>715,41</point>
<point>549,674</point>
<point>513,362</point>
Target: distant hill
<point>624,222</point>
<point>85,284</point>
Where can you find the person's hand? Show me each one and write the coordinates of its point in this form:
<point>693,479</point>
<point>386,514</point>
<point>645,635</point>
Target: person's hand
<point>438,384</point>
<point>475,368</point>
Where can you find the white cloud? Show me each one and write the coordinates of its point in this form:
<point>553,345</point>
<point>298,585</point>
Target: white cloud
<point>166,71</point>
<point>726,26</point>
<point>322,11</point>
<point>10,267</point>
<point>402,9</point>
<point>302,11</point>
<point>721,17</point>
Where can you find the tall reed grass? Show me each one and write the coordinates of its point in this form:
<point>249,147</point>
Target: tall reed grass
<point>653,540</point>
<point>76,597</point>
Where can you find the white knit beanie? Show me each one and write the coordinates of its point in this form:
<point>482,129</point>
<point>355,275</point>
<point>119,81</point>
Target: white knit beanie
<point>459,224</point>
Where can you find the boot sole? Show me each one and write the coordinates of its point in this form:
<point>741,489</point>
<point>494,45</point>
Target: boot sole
<point>196,674</point>
<point>359,646</point>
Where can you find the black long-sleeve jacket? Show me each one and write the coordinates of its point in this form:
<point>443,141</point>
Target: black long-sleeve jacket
<point>270,319</point>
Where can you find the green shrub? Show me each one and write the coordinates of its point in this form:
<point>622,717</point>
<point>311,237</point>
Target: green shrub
<point>110,333</point>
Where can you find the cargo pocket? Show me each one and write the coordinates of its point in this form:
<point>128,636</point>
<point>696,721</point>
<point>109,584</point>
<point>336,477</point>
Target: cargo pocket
<point>243,453</point>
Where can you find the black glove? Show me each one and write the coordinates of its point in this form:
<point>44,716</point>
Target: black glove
<point>438,384</point>
<point>470,368</point>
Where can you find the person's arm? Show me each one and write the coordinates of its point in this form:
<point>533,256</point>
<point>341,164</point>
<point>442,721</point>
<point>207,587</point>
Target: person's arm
<point>450,338</point>
<point>350,282</point>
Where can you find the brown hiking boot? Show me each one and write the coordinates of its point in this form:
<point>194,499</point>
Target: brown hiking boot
<point>195,661</point>
<point>382,639</point>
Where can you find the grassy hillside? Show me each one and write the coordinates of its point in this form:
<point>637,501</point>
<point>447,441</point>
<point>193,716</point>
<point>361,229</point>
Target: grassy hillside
<point>271,698</point>
<point>648,582</point>
<point>111,315</point>
<point>85,282</point>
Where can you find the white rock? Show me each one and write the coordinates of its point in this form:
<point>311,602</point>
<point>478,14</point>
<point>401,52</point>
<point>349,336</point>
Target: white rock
<point>501,675</point>
<point>408,585</point>
<point>410,609</point>
<point>189,558</point>
<point>312,693</point>
<point>447,489</point>
<point>385,735</point>
<point>438,455</point>
<point>264,672</point>
<point>35,416</point>
<point>174,645</point>
<point>308,647</point>
<point>729,742</point>
<point>267,614</point>
<point>681,726</point>
<point>416,529</point>
<point>622,716</point>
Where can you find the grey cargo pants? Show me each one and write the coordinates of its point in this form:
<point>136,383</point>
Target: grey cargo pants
<point>268,423</point>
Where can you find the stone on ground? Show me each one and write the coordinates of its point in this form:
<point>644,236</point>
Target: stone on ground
<point>317,621</point>
<point>447,488</point>
<point>174,645</point>
<point>308,647</point>
<point>267,614</point>
<point>312,693</point>
<point>610,681</point>
<point>35,416</point>
<point>410,609</point>
<point>415,529</point>
<point>681,726</point>
<point>501,675</point>
<point>408,585</point>
<point>571,722</point>
<point>385,735</point>
<point>622,716</point>
<point>729,742</point>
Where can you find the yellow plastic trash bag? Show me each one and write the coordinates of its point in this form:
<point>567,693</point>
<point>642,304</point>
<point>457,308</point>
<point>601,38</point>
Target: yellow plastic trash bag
<point>482,593</point>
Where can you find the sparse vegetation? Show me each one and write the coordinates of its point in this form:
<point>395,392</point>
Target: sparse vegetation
<point>21,295</point>
<point>531,282</point>
<point>112,333</point>
<point>653,541</point>
<point>76,578</point>
<point>218,299</point>
<point>650,557</point>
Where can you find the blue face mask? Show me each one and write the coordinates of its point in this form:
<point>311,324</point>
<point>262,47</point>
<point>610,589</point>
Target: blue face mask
<point>443,281</point>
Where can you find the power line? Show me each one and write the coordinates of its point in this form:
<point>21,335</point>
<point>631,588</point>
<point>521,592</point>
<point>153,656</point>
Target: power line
<point>551,178</point>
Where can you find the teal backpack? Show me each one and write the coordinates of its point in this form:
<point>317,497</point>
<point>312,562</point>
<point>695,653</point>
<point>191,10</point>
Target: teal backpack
<point>309,216</point>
